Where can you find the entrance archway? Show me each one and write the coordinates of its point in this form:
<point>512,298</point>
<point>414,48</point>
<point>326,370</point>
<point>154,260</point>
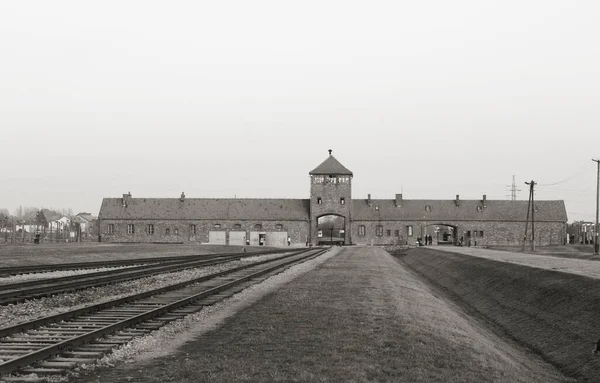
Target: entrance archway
<point>439,234</point>
<point>331,229</point>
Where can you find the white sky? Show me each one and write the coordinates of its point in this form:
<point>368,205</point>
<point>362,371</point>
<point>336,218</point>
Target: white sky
<point>224,98</point>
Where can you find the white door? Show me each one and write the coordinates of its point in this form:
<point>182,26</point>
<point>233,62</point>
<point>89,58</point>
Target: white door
<point>254,238</point>
<point>237,238</point>
<point>276,238</point>
<point>216,237</point>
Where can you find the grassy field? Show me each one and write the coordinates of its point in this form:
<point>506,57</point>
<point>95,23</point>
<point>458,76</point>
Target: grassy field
<point>361,316</point>
<point>23,255</point>
<point>553,313</point>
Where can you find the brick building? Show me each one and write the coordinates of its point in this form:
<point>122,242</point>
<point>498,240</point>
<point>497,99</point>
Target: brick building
<point>329,216</point>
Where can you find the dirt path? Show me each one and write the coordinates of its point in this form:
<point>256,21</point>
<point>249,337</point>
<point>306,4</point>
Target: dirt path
<point>360,316</point>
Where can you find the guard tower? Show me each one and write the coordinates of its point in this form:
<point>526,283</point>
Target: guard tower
<point>330,203</point>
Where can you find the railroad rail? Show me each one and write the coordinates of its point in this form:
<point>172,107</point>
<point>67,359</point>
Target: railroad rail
<point>19,270</point>
<point>83,335</point>
<point>21,291</point>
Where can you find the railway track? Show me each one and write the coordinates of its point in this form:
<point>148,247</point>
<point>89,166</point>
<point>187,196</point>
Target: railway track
<point>55,344</point>
<point>20,270</point>
<point>21,291</point>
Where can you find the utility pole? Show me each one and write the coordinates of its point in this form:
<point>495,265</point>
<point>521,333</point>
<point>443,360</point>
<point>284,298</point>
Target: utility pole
<point>531,185</point>
<point>527,220</point>
<point>597,201</point>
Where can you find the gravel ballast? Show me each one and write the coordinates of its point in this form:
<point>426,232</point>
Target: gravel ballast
<point>14,313</point>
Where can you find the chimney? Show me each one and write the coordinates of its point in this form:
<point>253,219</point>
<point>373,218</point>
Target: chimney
<point>369,199</point>
<point>125,199</point>
<point>182,198</point>
<point>484,200</point>
<point>398,200</point>
<point>457,201</point>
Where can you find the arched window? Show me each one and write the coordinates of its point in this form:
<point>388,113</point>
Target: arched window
<point>379,230</point>
<point>258,226</point>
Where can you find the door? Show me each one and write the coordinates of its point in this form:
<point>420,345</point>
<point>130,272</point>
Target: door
<point>216,237</point>
<point>254,238</point>
<point>237,238</point>
<point>276,238</point>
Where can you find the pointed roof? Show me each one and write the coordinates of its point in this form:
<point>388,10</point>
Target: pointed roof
<point>330,166</point>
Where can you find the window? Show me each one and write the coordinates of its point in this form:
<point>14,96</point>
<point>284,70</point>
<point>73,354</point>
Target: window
<point>427,208</point>
<point>343,201</point>
<point>319,179</point>
<point>167,231</point>
<point>258,226</point>
<point>279,226</point>
<point>361,230</point>
<point>389,233</point>
<point>176,231</point>
<point>397,233</point>
<point>193,229</point>
<point>479,208</point>
<point>237,226</point>
<point>332,179</point>
<point>319,200</point>
<point>150,229</point>
<point>110,229</point>
<point>130,229</point>
<point>475,233</point>
<point>481,233</point>
<point>409,231</point>
<point>379,230</point>
<point>217,225</point>
<point>468,233</point>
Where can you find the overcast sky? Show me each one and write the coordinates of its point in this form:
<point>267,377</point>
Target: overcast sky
<point>243,98</point>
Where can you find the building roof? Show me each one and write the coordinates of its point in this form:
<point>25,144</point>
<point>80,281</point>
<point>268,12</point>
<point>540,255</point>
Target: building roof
<point>206,208</point>
<point>330,166</point>
<point>86,216</point>
<point>446,210</point>
<point>299,209</point>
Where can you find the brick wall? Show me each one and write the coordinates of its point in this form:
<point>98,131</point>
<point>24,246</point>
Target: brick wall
<point>494,233</point>
<point>297,230</point>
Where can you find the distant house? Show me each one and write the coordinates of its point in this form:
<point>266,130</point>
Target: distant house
<point>59,225</point>
<point>87,223</point>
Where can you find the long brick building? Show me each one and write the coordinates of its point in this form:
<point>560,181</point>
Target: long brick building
<point>330,215</point>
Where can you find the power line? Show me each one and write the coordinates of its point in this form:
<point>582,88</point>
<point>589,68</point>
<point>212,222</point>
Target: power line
<point>587,167</point>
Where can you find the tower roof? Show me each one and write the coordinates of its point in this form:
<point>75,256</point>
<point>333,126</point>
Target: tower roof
<point>330,166</point>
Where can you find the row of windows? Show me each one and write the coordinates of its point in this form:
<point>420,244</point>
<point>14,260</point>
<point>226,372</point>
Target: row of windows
<point>331,179</point>
<point>362,231</point>
<point>475,233</point>
<point>342,201</point>
<point>110,229</point>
